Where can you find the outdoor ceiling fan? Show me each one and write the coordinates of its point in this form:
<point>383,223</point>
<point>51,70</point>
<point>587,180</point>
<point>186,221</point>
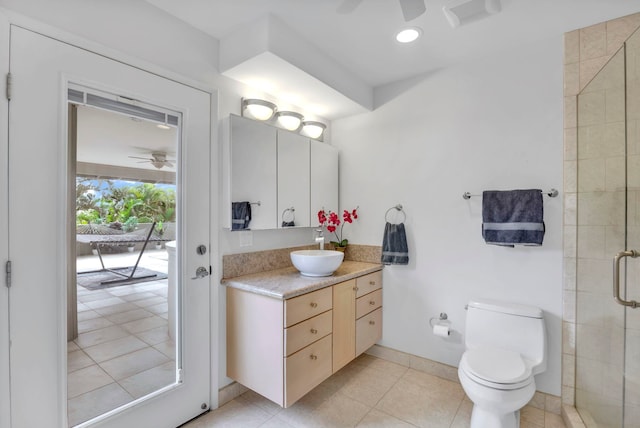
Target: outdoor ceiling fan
<point>411,9</point>
<point>157,159</point>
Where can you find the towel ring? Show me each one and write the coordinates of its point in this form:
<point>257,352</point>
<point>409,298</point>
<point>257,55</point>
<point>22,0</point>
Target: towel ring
<point>397,208</point>
<point>291,211</point>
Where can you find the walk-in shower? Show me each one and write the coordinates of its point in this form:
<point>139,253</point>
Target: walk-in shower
<point>607,340</point>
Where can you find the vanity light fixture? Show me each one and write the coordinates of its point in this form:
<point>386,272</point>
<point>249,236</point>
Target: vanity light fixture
<point>289,120</point>
<point>258,109</point>
<point>408,35</point>
<point>313,129</point>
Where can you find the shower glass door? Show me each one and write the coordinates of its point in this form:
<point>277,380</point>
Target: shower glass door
<point>607,333</point>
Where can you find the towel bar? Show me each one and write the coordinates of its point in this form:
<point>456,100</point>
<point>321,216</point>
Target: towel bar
<point>552,193</point>
<point>398,208</point>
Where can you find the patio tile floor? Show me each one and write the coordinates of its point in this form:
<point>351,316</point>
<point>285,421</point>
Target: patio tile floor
<point>123,350</point>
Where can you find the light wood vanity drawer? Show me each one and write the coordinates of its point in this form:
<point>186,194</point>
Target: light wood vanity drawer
<point>306,306</point>
<point>306,369</point>
<point>368,331</point>
<point>307,332</point>
<point>368,283</point>
<point>368,303</point>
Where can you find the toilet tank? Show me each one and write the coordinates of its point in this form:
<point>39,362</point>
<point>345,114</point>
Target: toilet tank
<point>511,326</point>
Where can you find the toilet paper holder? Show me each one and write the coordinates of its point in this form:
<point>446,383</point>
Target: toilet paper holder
<point>442,319</point>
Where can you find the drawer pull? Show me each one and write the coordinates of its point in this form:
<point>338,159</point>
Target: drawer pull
<point>314,331</point>
<point>314,305</point>
<point>372,322</point>
<point>372,283</point>
<point>372,302</point>
<point>313,357</point>
<point>355,288</point>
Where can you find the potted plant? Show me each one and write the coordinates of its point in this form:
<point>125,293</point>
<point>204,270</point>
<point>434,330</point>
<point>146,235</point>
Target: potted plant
<point>332,222</point>
<point>160,229</point>
<point>129,226</point>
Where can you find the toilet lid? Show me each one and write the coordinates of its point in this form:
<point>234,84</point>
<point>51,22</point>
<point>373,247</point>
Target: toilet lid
<point>496,365</point>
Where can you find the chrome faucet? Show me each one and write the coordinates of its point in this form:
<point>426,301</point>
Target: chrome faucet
<point>320,238</point>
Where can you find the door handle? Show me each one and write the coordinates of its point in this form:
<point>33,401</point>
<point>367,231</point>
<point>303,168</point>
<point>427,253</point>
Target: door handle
<point>616,277</point>
<point>201,272</point>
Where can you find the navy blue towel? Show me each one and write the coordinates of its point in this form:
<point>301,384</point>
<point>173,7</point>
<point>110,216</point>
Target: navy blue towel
<point>240,215</point>
<point>513,217</point>
<point>394,245</point>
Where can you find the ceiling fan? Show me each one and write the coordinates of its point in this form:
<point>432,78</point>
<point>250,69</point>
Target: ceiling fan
<point>411,9</point>
<point>157,159</point>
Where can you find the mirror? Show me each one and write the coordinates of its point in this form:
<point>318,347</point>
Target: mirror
<point>293,180</point>
<point>324,179</point>
<point>278,179</point>
<point>253,175</point>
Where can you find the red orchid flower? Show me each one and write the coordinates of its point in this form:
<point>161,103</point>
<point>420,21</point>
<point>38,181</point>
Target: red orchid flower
<point>331,221</point>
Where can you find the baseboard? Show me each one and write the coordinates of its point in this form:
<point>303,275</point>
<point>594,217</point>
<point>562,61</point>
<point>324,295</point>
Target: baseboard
<point>229,392</point>
<point>571,417</point>
<point>541,400</point>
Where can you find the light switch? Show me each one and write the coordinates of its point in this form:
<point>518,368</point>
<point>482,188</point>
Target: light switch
<point>246,238</point>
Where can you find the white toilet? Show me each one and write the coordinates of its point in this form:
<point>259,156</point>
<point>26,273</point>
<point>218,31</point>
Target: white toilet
<point>505,346</point>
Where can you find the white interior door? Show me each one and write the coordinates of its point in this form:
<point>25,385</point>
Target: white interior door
<point>42,68</point>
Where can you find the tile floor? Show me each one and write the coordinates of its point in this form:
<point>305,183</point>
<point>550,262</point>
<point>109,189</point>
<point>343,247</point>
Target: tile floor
<point>369,392</point>
<point>123,350</point>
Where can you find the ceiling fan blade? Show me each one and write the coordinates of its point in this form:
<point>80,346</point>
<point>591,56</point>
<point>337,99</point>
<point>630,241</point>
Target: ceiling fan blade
<point>348,6</point>
<point>138,157</point>
<point>169,164</point>
<point>411,9</point>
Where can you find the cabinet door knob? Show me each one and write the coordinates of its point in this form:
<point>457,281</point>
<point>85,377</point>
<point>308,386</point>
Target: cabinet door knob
<point>372,322</point>
<point>314,331</point>
<point>355,288</point>
<point>313,357</point>
<point>371,302</point>
<point>314,305</point>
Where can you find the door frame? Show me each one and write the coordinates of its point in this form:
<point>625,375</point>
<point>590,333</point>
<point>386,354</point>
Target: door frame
<point>8,19</point>
<point>5,378</point>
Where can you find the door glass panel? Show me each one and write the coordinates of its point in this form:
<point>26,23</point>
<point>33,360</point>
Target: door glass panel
<point>632,332</point>
<point>601,233</point>
<point>122,334</point>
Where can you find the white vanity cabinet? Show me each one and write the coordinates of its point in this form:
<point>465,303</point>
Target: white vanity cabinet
<point>254,170</point>
<point>368,311</point>
<point>294,186</point>
<point>283,348</point>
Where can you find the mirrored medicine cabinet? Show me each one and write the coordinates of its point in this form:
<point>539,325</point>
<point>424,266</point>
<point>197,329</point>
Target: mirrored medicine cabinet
<point>285,177</point>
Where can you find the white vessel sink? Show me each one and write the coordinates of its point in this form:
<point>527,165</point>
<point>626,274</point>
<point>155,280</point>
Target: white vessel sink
<point>317,262</point>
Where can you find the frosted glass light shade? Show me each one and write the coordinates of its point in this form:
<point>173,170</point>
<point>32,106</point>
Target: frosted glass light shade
<point>289,120</point>
<point>259,109</point>
<point>313,129</point>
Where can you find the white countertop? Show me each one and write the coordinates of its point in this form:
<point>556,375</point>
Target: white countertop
<point>288,282</point>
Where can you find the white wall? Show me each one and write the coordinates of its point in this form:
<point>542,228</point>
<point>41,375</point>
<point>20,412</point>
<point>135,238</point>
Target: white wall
<point>489,124</point>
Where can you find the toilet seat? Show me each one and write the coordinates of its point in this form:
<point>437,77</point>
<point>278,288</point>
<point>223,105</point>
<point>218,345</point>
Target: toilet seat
<point>496,368</point>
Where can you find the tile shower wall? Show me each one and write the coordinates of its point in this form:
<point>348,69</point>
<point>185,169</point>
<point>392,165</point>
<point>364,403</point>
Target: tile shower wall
<point>599,160</point>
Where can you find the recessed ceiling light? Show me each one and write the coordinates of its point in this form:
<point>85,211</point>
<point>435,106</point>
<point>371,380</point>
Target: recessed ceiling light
<point>408,35</point>
<point>163,126</point>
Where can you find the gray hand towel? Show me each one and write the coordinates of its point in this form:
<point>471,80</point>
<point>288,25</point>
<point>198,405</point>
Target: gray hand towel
<point>240,215</point>
<point>394,245</point>
<point>513,217</point>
